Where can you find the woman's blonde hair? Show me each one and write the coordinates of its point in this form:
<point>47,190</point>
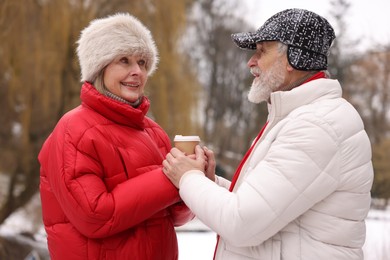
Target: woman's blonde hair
<point>99,82</point>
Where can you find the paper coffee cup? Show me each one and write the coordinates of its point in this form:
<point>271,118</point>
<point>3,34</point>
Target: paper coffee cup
<point>186,143</point>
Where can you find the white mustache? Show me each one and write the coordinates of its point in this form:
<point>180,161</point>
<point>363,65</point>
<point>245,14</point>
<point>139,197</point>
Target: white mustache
<point>255,71</point>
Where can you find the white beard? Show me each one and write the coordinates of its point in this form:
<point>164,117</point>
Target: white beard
<point>266,83</point>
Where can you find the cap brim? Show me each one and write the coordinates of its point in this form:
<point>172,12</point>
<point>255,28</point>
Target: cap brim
<point>245,40</point>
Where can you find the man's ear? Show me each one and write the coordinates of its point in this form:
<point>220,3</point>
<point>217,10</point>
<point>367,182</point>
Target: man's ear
<point>289,67</point>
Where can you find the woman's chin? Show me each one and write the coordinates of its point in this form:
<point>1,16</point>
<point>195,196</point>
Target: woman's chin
<point>133,99</point>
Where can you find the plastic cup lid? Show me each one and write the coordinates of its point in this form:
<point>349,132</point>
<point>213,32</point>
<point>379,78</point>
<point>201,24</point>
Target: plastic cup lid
<point>191,138</point>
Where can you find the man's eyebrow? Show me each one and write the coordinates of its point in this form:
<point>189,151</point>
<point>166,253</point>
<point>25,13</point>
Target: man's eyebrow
<point>259,47</point>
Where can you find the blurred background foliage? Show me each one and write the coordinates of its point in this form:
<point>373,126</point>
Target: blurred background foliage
<point>199,88</point>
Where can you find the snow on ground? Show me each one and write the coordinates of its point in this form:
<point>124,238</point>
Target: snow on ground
<point>196,241</point>
<point>377,246</point>
<point>201,245</point>
<point>196,245</point>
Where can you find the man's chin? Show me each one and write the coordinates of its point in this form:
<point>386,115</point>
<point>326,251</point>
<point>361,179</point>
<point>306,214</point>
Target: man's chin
<point>255,100</point>
<point>257,96</point>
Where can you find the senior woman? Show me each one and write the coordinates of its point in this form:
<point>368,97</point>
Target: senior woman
<point>103,192</point>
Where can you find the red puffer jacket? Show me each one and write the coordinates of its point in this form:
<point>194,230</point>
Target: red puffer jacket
<point>104,195</point>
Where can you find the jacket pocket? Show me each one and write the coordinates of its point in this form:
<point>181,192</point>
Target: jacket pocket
<point>111,246</point>
<point>269,250</point>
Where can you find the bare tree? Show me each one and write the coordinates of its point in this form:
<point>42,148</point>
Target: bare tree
<point>369,77</point>
<point>29,65</point>
<point>230,121</point>
<point>40,78</point>
<point>381,187</point>
<point>365,78</point>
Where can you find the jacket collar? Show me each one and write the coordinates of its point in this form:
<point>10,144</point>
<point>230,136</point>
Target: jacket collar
<point>283,102</point>
<point>114,110</point>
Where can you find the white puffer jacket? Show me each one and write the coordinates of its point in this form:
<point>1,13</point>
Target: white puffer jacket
<point>304,191</point>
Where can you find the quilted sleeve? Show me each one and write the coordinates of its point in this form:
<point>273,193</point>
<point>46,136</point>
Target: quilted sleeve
<point>94,210</point>
<point>291,178</point>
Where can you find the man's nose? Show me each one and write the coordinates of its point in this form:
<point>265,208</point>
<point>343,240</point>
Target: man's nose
<point>252,62</point>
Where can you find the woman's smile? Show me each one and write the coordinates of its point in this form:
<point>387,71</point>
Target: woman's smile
<point>126,77</point>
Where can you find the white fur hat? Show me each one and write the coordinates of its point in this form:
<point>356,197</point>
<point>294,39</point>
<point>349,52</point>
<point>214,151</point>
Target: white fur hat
<point>105,39</point>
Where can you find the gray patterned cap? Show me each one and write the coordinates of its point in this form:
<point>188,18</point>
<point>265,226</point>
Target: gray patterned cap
<point>308,36</point>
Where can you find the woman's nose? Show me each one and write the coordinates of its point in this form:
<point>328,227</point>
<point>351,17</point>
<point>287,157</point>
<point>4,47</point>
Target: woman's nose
<point>135,69</point>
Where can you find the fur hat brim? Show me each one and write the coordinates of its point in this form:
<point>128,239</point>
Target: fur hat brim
<point>105,39</point>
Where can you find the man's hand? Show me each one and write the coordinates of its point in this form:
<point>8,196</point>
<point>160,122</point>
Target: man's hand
<point>177,164</point>
<point>211,164</point>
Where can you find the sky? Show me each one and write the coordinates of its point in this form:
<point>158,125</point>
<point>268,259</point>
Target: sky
<point>367,20</point>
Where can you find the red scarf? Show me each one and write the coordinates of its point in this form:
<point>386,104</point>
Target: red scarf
<point>237,173</point>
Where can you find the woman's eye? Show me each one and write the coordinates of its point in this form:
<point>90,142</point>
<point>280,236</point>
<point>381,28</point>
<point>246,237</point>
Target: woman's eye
<point>142,63</point>
<point>124,60</point>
